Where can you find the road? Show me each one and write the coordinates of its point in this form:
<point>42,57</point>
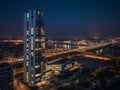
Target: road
<point>97,57</point>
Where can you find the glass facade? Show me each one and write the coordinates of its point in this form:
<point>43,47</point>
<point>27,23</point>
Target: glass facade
<point>34,46</point>
<point>6,76</point>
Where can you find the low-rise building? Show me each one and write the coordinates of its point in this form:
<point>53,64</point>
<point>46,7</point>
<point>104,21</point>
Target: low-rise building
<point>61,64</point>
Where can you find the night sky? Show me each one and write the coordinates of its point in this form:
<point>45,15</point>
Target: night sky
<point>63,18</point>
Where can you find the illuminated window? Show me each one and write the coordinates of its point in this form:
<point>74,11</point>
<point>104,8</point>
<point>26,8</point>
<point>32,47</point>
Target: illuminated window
<point>37,40</point>
<point>37,75</point>
<point>27,32</point>
<point>37,66</point>
<point>27,39</point>
<point>42,30</point>
<point>26,45</point>
<point>27,15</point>
<point>32,30</point>
<point>32,43</point>
<point>32,82</point>
<point>75,62</point>
<point>27,57</point>
<point>32,53</point>
<point>31,47</point>
<point>26,63</point>
<point>38,12</point>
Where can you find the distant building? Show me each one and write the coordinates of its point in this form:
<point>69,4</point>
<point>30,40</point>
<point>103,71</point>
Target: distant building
<point>6,76</point>
<point>67,45</point>
<point>34,46</point>
<point>61,64</point>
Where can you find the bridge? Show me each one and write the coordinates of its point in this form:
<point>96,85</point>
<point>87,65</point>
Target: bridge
<point>50,54</point>
<point>57,53</point>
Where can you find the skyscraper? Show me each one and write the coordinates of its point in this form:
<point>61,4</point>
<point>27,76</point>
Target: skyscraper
<point>34,46</point>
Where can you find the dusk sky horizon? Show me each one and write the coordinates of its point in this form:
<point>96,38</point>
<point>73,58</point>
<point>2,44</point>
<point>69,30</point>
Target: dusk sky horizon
<point>63,18</point>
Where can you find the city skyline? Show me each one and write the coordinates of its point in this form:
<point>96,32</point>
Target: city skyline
<point>59,45</point>
<point>64,19</point>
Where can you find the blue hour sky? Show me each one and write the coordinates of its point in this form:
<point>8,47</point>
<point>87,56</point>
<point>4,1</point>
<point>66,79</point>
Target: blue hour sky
<point>63,18</point>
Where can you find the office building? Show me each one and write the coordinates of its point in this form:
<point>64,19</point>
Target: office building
<point>6,76</point>
<point>34,47</point>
